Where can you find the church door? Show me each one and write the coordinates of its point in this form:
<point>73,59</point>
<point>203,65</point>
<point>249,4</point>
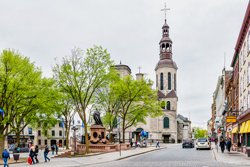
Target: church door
<point>166,139</point>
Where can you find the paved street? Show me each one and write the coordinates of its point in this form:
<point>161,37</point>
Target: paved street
<point>174,156</point>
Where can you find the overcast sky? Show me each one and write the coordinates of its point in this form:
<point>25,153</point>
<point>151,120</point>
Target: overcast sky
<point>202,31</point>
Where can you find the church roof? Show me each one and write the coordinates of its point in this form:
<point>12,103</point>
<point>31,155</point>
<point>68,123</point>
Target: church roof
<point>171,94</point>
<point>165,39</point>
<point>166,63</point>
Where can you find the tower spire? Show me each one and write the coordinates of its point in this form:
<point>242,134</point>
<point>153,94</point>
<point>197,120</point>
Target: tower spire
<point>165,9</point>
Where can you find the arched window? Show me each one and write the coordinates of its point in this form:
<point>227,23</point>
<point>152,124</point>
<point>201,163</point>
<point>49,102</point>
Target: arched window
<point>167,46</point>
<point>168,105</point>
<point>163,104</point>
<point>156,80</point>
<point>166,122</point>
<point>169,81</point>
<point>161,82</point>
<point>163,47</point>
<point>175,82</point>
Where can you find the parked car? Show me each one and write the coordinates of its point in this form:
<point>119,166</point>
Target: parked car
<point>203,143</point>
<point>187,143</point>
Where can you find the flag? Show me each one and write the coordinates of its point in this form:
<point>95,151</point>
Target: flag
<point>82,125</point>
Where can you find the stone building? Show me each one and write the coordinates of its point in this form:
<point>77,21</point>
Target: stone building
<point>183,128</point>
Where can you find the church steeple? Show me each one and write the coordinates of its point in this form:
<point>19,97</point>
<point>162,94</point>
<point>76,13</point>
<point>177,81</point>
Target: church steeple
<point>165,42</point>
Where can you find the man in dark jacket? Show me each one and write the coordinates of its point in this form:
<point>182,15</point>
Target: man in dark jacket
<point>36,153</point>
<point>32,155</point>
<point>46,152</point>
<point>5,156</point>
<point>222,145</point>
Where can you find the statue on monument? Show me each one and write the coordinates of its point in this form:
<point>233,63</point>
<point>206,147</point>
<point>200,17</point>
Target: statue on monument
<point>97,118</point>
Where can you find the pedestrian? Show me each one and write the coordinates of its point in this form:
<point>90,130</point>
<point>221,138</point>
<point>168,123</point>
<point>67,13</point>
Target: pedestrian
<point>229,144</point>
<point>222,145</point>
<point>131,142</point>
<point>46,152</point>
<point>157,144</point>
<point>5,156</point>
<point>36,153</point>
<point>56,147</point>
<point>32,154</point>
<point>53,149</point>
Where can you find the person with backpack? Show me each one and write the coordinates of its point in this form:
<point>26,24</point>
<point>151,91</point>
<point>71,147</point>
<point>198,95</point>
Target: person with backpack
<point>46,152</point>
<point>5,156</point>
<point>53,149</point>
<point>36,153</point>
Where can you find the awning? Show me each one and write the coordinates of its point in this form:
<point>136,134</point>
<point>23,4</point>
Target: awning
<point>246,127</point>
<point>242,127</point>
<point>235,129</point>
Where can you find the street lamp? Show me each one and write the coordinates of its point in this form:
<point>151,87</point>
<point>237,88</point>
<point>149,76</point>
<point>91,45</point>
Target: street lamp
<point>74,129</point>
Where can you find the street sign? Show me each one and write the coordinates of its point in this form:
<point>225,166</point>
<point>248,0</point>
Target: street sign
<point>231,119</point>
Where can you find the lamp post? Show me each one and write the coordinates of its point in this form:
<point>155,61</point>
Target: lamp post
<point>74,129</point>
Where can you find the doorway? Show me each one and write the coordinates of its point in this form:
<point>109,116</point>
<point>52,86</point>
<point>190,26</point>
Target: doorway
<point>166,138</point>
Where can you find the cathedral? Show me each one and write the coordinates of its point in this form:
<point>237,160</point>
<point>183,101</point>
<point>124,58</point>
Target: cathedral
<point>169,128</point>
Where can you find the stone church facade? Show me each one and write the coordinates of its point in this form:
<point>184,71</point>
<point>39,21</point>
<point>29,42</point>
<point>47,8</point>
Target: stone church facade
<point>163,128</point>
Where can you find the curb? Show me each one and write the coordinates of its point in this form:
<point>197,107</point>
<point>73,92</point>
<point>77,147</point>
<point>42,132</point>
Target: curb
<point>139,154</point>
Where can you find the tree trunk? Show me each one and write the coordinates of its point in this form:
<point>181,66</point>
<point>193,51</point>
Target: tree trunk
<point>86,133</point>
<point>123,131</point>
<point>67,137</point>
<point>18,138</point>
<point>2,137</point>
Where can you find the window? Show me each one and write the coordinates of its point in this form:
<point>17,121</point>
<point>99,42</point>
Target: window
<point>60,133</point>
<point>175,82</point>
<point>169,81</point>
<point>166,122</point>
<point>161,84</point>
<point>60,124</point>
<point>156,80</point>
<point>30,131</point>
<point>39,133</point>
<point>45,142</point>
<point>163,104</point>
<point>39,142</point>
<point>45,132</point>
<point>168,105</point>
<point>53,133</point>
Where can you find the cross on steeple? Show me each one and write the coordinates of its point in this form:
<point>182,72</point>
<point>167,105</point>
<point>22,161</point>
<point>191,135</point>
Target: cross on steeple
<point>165,9</point>
<point>139,69</point>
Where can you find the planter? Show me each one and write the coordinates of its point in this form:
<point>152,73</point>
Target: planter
<point>16,156</point>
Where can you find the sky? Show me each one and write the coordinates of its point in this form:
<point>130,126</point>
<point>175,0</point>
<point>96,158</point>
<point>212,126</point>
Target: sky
<point>203,33</point>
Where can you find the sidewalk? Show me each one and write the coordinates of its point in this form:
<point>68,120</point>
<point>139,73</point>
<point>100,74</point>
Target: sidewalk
<point>96,159</point>
<point>232,157</point>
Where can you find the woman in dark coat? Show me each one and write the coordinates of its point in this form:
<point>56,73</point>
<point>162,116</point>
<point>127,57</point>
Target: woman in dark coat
<point>222,145</point>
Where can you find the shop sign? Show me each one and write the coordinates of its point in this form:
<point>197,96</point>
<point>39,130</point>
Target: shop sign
<point>231,119</point>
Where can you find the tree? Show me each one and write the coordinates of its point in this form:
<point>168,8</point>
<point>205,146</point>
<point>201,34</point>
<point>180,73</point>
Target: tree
<point>24,94</point>
<point>200,133</point>
<point>80,77</point>
<point>107,101</point>
<point>138,101</point>
<point>68,114</point>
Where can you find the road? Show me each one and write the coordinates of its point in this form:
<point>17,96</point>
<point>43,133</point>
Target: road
<point>173,156</point>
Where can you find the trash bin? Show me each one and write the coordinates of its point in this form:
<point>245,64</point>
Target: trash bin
<point>16,156</point>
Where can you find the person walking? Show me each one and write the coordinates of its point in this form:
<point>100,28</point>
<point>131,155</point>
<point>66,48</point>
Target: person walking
<point>222,145</point>
<point>46,152</point>
<point>32,154</point>
<point>6,157</point>
<point>36,153</point>
<point>56,147</point>
<point>53,149</point>
<point>157,144</point>
<point>229,144</point>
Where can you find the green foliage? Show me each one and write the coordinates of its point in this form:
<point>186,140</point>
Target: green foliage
<point>26,97</point>
<point>137,101</point>
<point>80,76</point>
<point>199,132</point>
